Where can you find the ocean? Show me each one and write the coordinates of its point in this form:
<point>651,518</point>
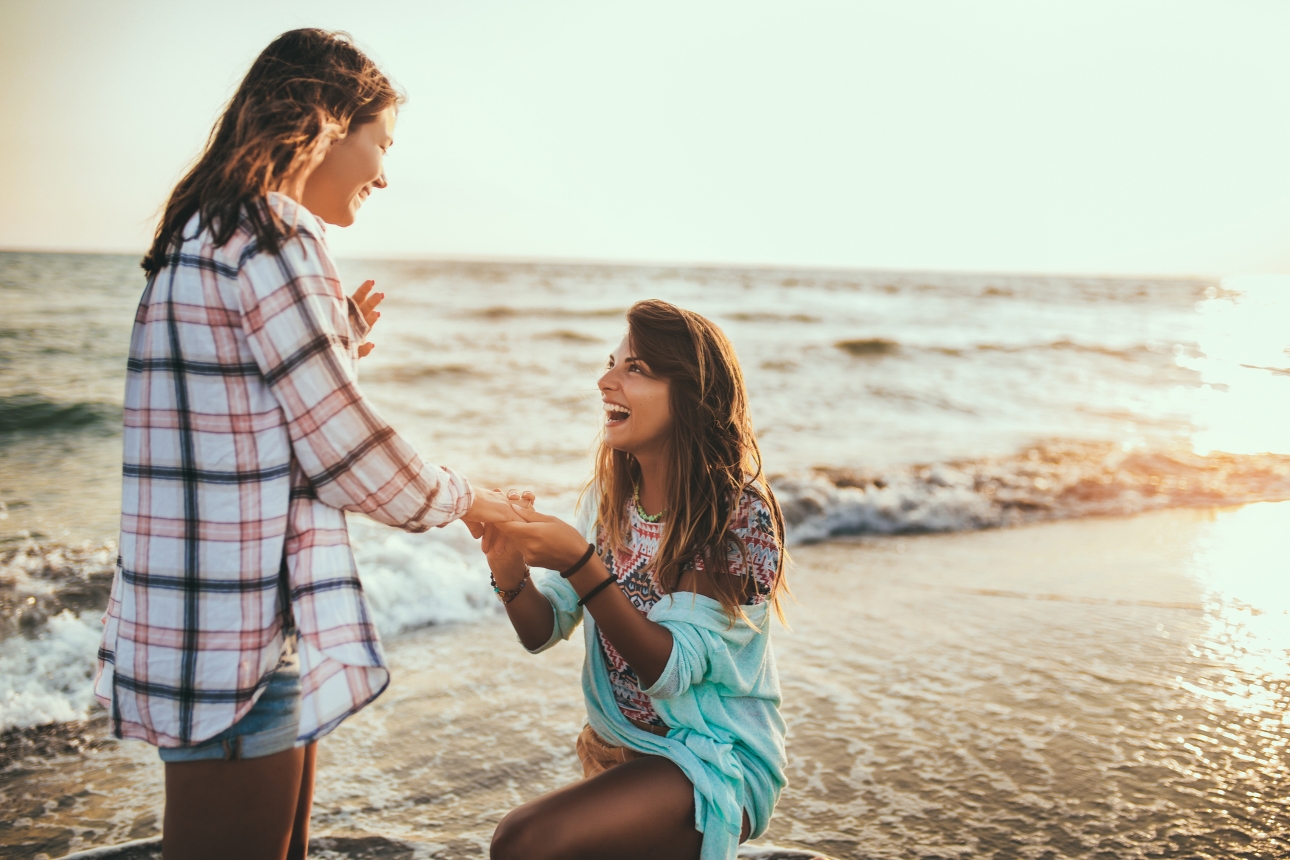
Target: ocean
<point>915,425</point>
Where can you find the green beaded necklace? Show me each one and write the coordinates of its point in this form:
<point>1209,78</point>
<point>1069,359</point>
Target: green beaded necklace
<point>640,512</point>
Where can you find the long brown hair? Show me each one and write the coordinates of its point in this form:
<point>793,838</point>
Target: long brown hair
<point>303,91</point>
<point>712,450</point>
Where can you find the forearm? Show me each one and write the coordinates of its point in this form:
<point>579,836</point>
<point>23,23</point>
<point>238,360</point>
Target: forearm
<point>302,332</point>
<point>645,646</point>
<point>532,616</point>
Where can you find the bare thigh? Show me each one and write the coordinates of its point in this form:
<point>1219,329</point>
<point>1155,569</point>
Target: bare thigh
<point>640,810</point>
<point>252,809</point>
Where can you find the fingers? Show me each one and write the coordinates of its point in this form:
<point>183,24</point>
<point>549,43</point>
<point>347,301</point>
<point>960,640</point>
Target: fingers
<point>365,348</point>
<point>369,308</point>
<point>525,499</point>
<point>361,293</point>
<point>490,507</point>
<point>476,529</point>
<point>528,515</point>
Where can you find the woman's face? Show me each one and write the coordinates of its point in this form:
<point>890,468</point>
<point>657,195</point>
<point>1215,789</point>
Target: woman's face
<point>352,167</point>
<point>638,414</point>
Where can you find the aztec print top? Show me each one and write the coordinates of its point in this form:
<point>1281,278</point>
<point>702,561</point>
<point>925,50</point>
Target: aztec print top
<point>752,524</point>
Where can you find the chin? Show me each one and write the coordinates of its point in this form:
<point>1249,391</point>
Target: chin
<point>617,442</point>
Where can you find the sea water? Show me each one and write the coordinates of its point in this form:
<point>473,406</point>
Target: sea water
<point>885,404</point>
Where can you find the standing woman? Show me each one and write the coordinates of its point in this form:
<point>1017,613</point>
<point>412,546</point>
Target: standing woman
<point>237,633</point>
<point>678,568</point>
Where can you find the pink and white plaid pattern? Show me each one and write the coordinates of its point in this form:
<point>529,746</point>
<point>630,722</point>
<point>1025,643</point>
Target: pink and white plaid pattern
<point>246,439</point>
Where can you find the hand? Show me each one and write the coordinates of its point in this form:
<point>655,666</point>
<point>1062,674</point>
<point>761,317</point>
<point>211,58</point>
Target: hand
<point>489,506</point>
<point>504,558</point>
<point>543,540</point>
<point>366,300</point>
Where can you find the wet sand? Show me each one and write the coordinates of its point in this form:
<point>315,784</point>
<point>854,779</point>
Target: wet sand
<point>1093,688</point>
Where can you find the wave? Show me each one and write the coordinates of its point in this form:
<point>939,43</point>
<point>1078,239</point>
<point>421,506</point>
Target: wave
<point>52,599</point>
<point>1055,480</point>
<point>35,412</point>
<point>52,596</point>
<point>869,347</point>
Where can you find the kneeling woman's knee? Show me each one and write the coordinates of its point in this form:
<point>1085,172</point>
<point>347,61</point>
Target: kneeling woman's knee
<point>521,836</point>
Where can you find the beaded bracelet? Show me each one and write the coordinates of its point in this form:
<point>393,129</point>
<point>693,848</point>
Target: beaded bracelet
<point>507,595</point>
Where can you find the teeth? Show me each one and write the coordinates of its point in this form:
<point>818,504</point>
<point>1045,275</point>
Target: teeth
<point>615,407</point>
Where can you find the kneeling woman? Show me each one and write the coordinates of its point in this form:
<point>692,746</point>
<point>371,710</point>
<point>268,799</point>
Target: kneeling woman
<point>683,755</point>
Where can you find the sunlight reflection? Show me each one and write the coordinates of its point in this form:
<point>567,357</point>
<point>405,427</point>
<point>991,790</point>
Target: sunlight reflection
<point>1244,405</point>
<point>1242,563</point>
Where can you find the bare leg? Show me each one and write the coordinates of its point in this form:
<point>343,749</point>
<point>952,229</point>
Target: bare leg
<point>245,809</point>
<point>298,848</point>
<point>639,810</point>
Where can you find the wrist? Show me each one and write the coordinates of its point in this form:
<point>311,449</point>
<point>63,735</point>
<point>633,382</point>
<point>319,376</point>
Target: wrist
<point>575,560</point>
<point>508,573</point>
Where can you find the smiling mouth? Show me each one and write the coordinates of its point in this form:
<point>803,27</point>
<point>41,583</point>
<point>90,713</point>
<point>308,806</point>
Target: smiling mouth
<point>616,414</point>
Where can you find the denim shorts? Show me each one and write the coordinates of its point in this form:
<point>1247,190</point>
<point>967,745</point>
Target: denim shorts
<point>269,727</point>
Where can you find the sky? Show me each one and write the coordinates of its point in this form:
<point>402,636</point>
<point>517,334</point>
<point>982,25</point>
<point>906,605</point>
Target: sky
<point>1090,137</point>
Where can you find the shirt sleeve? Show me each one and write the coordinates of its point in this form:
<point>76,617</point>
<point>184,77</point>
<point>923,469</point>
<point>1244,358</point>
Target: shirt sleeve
<point>564,606</point>
<point>758,557</point>
<point>755,551</point>
<point>707,647</point>
<point>297,320</point>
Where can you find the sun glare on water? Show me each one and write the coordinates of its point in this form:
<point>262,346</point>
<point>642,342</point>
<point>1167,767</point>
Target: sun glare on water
<point>1243,406</point>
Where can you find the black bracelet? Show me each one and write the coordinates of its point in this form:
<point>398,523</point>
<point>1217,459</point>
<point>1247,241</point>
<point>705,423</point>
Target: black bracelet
<point>599,588</point>
<point>591,548</point>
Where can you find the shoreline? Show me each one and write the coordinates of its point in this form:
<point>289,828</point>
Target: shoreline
<point>1042,686</point>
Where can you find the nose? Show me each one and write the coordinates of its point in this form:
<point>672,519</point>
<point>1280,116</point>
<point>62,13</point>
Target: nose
<point>380,181</point>
<point>606,382</point>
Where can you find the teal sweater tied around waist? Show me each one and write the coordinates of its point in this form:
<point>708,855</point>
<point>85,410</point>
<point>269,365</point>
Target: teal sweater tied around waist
<point>719,694</point>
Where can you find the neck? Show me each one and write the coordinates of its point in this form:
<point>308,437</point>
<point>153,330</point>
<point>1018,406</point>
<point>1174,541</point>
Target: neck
<point>654,482</point>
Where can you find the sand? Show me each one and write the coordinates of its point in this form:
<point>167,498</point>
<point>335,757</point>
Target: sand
<point>1090,688</point>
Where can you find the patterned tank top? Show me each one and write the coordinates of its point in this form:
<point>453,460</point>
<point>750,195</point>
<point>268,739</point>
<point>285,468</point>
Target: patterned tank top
<point>752,524</point>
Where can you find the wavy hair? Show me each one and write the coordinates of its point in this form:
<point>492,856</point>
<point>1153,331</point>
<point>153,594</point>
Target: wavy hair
<point>306,89</point>
<point>712,450</point>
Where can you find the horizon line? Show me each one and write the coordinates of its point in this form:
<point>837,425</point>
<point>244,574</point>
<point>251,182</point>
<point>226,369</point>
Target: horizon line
<point>592,262</point>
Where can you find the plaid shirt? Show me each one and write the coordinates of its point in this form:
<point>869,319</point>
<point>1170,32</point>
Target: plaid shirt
<point>246,439</point>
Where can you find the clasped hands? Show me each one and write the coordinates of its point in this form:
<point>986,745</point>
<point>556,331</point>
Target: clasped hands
<point>514,536</point>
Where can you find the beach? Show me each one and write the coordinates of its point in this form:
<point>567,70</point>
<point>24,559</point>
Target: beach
<point>1087,688</point>
<point>1038,528</point>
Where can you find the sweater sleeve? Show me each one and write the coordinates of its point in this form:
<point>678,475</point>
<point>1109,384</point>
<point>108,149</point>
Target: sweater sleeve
<point>300,329</point>
<point>689,662</point>
<point>707,648</point>
<point>564,602</point>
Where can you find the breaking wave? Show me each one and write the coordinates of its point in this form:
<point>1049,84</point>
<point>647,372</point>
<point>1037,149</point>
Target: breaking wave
<point>1056,480</point>
<point>52,596</point>
<point>52,600</point>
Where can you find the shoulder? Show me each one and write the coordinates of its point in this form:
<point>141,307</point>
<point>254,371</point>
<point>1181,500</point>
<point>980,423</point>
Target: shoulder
<point>302,248</point>
<point>753,516</point>
<point>302,234</point>
<point>295,216</point>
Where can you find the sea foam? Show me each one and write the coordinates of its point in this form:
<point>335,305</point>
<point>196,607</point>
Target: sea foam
<point>53,596</point>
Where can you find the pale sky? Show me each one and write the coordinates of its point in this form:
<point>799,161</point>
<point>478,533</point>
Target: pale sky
<point>1119,137</point>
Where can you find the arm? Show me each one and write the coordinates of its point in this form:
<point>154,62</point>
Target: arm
<point>530,613</point>
<point>297,322</point>
<point>549,542</point>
